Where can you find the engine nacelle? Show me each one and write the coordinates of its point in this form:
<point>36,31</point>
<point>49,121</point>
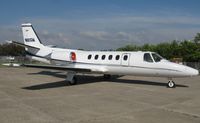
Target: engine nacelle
<point>62,57</point>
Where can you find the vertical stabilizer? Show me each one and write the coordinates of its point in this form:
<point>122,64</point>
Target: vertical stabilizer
<point>30,36</point>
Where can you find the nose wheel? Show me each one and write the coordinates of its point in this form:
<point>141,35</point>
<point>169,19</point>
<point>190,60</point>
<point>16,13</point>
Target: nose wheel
<point>171,84</point>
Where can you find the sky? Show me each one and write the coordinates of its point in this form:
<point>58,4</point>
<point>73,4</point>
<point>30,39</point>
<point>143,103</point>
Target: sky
<point>101,24</point>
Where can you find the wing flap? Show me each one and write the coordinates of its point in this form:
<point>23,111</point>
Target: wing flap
<point>57,68</point>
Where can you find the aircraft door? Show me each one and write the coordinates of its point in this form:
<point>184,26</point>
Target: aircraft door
<point>125,59</point>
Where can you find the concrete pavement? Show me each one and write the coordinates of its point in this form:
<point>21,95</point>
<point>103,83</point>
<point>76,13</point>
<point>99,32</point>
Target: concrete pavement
<point>37,95</point>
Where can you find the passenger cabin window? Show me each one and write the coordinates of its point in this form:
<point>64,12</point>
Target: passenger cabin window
<point>156,57</point>
<point>89,57</point>
<point>110,57</point>
<point>117,57</point>
<point>125,58</point>
<point>147,57</point>
<point>96,57</point>
<point>103,57</point>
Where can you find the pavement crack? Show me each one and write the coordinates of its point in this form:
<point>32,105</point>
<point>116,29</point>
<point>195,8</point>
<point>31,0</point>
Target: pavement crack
<point>182,113</point>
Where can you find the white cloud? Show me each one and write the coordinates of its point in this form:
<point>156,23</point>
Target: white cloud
<point>109,32</point>
<point>98,35</point>
<point>54,38</point>
<point>10,34</point>
<point>45,32</point>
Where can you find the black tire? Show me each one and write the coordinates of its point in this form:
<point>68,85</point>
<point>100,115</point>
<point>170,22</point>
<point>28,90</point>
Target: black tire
<point>73,82</point>
<point>107,76</point>
<point>171,84</point>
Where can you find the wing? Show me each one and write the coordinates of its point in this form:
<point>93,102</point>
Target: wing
<point>57,68</point>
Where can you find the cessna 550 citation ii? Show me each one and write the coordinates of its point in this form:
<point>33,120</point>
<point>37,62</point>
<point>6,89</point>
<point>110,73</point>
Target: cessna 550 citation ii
<point>102,62</point>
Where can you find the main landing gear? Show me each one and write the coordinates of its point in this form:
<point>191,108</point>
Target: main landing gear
<point>171,84</point>
<point>71,78</point>
<point>107,76</point>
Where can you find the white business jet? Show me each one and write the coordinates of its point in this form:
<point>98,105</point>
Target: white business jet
<point>102,62</point>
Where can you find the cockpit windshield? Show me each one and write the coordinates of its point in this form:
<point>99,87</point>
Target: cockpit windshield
<point>147,57</point>
<point>156,57</point>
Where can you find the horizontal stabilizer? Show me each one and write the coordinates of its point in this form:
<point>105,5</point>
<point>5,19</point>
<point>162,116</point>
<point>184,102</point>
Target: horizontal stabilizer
<point>22,44</point>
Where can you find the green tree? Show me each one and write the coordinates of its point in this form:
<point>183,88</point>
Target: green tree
<point>129,48</point>
<point>197,38</point>
<point>148,47</point>
<point>164,49</point>
<point>11,50</point>
<point>187,50</point>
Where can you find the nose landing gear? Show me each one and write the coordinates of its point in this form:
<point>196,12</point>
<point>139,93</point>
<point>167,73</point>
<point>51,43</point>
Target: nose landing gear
<point>171,84</point>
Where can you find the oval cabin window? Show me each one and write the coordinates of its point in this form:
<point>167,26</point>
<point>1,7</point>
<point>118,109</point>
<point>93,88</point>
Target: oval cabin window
<point>89,57</point>
<point>96,57</point>
<point>110,57</point>
<point>103,57</point>
<point>125,57</point>
<point>117,57</point>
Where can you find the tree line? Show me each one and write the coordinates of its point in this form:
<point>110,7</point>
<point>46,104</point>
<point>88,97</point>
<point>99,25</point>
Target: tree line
<point>11,50</point>
<point>188,50</point>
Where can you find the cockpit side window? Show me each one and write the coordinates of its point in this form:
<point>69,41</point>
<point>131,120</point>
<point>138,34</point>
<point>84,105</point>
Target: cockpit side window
<point>147,57</point>
<point>156,57</point>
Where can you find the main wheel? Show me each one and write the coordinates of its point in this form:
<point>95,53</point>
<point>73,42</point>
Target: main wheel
<point>171,84</point>
<point>107,76</point>
<point>73,81</point>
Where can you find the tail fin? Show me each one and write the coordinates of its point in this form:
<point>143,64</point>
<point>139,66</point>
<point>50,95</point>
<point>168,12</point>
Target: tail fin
<point>30,36</point>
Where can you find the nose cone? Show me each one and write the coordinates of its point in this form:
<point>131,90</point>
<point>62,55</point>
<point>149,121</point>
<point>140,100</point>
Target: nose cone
<point>192,71</point>
<point>183,71</point>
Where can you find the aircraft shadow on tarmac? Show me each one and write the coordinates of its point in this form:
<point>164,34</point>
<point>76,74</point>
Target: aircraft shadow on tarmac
<point>87,80</point>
